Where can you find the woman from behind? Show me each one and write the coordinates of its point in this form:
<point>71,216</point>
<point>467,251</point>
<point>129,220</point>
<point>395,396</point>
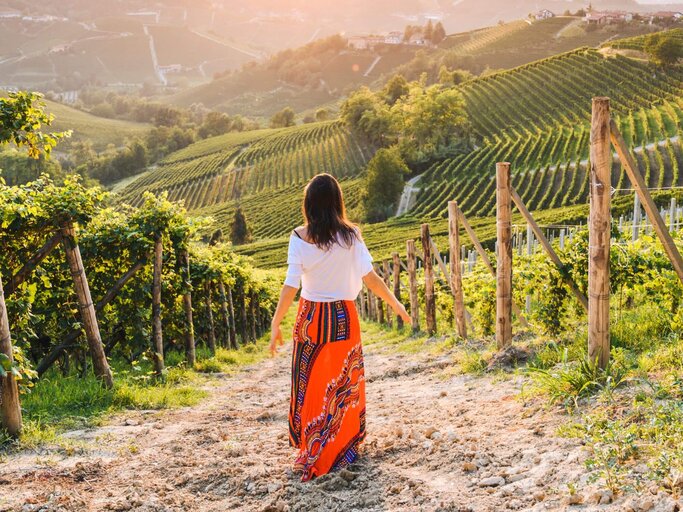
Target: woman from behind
<point>328,259</point>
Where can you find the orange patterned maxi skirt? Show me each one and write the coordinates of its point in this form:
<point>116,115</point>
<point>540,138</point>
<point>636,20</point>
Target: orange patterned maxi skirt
<point>327,408</point>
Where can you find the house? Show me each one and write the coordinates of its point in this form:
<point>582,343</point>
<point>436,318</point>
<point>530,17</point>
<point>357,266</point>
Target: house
<point>667,15</point>
<point>608,17</point>
<point>364,42</point>
<point>544,14</point>
<point>394,38</point>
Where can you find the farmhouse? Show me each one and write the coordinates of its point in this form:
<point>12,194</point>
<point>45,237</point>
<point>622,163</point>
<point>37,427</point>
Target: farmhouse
<point>364,42</point>
<point>544,14</point>
<point>608,17</point>
<point>394,38</point>
<point>667,15</point>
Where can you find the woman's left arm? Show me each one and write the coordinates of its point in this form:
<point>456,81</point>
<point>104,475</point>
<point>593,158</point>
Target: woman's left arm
<point>286,298</point>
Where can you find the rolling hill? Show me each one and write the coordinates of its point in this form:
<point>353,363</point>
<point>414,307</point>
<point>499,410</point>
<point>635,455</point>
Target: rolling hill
<point>535,116</point>
<point>99,130</point>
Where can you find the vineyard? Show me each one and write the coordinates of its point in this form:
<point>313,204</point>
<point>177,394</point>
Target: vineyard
<point>638,42</point>
<point>263,171</point>
<point>74,269</point>
<point>549,154</point>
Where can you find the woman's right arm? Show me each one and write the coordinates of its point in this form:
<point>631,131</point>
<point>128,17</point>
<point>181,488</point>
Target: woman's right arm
<point>379,288</point>
<point>287,295</point>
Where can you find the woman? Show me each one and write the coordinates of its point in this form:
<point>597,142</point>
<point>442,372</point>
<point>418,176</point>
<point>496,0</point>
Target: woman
<point>328,257</point>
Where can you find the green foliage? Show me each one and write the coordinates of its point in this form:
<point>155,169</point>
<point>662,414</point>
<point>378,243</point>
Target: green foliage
<point>283,119</point>
<point>239,229</point>
<point>383,184</point>
<point>664,49</point>
<point>21,117</point>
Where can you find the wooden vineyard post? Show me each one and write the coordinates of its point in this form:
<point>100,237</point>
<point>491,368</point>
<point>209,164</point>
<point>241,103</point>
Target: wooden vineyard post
<point>455,270</point>
<point>32,263</point>
<point>412,290</point>
<point>599,234</point>
<point>504,263</point>
<point>380,304</point>
<point>487,262</point>
<point>157,335</point>
<point>363,310</point>
<point>430,301</point>
<point>387,281</point>
<point>646,199</point>
<point>229,336</point>
<point>190,352</point>
<point>232,321</point>
<point>371,307</point>
<point>396,259</point>
<point>245,320</point>
<point>547,247</point>
<point>209,317</point>
<point>253,309</point>
<point>10,408</point>
<point>87,309</point>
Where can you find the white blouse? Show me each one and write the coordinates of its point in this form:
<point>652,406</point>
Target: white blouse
<point>327,275</point>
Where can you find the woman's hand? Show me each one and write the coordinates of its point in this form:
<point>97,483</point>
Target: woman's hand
<point>400,310</point>
<point>275,336</point>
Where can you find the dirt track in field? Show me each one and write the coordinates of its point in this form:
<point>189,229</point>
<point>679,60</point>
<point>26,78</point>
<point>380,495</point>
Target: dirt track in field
<point>436,441</point>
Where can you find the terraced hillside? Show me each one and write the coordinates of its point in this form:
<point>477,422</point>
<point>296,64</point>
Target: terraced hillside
<point>638,42</point>
<point>260,170</point>
<point>537,117</point>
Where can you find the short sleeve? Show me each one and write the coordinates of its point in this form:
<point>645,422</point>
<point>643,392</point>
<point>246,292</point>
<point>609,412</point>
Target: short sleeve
<point>365,258</point>
<point>295,268</point>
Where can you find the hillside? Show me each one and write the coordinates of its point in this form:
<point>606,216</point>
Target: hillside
<point>100,131</point>
<point>262,171</point>
<point>323,73</point>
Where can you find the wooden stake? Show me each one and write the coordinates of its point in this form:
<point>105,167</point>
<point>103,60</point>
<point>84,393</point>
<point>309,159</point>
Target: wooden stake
<point>487,262</point>
<point>380,304</point>
<point>548,248</point>
<point>363,310</point>
<point>599,235</point>
<point>209,317</point>
<point>387,281</point>
<point>646,199</point>
<point>157,333</point>
<point>190,352</point>
<point>430,301</point>
<point>412,279</point>
<point>504,263</point>
<point>396,259</point>
<point>10,408</point>
<point>456,275</point>
<point>245,320</point>
<point>225,316</point>
<point>253,308</point>
<point>233,321</point>
<point>87,309</point>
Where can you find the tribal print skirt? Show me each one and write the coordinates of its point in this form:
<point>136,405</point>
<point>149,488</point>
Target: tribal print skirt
<point>327,408</point>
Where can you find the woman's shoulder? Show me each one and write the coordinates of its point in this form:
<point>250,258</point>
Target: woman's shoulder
<point>301,233</point>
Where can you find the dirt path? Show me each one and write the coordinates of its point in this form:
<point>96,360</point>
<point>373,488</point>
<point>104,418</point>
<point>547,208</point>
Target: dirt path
<point>436,441</point>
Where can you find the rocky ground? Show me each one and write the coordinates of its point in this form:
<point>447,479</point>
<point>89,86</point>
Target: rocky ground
<point>437,441</point>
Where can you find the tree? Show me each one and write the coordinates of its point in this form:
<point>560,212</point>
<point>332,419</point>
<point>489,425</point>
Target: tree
<point>368,115</point>
<point>322,114</point>
<point>384,184</point>
<point>283,118</point>
<point>429,31</point>
<point>439,33</point>
<point>664,50</point>
<point>432,121</point>
<point>396,88</point>
<point>216,123</point>
<point>239,228</point>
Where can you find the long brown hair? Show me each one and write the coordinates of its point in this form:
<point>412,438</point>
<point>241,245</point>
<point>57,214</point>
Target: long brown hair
<point>325,214</point>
